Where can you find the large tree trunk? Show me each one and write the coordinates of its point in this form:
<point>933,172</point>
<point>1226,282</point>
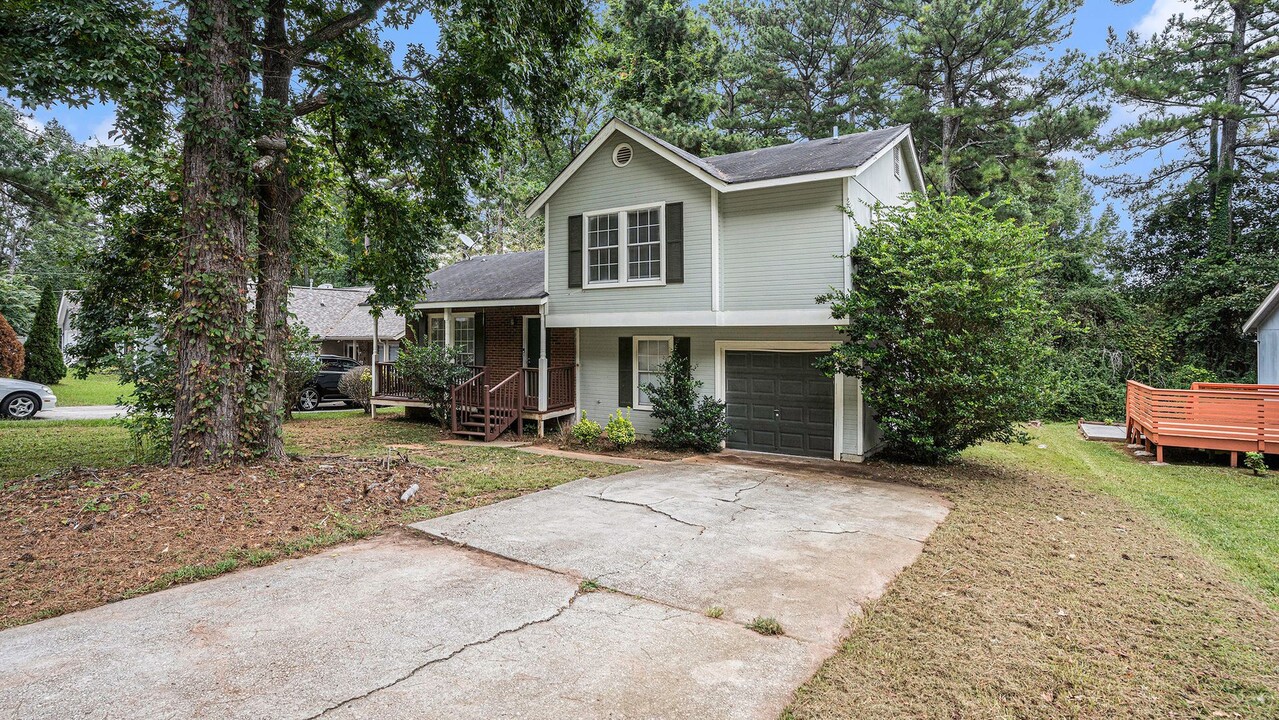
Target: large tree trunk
<point>1222,198</point>
<point>949,132</point>
<point>210,327</point>
<point>275,208</point>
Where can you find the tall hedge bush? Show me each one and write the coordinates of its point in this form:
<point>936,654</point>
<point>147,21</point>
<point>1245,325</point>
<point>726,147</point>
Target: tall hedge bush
<point>946,325</point>
<point>43,362</point>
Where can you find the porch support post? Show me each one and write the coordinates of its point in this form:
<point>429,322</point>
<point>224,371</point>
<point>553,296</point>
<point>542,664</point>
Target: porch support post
<point>448,327</point>
<point>373,379</point>
<point>543,383</point>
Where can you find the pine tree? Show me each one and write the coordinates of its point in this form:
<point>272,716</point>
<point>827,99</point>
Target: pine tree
<point>10,351</point>
<point>1208,82</point>
<point>43,360</point>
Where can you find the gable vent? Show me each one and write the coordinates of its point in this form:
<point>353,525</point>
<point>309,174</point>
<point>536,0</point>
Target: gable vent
<point>622,155</point>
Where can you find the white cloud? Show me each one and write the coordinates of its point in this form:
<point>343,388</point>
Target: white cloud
<point>30,123</point>
<point>1156,19</point>
<point>100,134</point>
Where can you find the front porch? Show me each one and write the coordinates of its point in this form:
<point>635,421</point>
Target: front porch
<point>488,404</point>
<point>520,369</point>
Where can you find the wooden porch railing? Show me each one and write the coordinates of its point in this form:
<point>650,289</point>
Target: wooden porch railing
<point>1209,416</point>
<point>486,411</point>
<point>561,387</point>
<point>390,383</point>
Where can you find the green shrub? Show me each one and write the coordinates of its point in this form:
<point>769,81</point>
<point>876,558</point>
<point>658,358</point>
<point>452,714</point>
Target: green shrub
<point>431,371</point>
<point>43,362</point>
<point>1256,462</point>
<point>947,326</point>
<point>586,432</point>
<point>357,384</point>
<point>620,430</point>
<point>688,418</point>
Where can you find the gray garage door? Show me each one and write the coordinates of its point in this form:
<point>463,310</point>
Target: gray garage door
<point>778,402</point>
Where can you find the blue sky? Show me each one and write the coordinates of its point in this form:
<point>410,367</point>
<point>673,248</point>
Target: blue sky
<point>1091,24</point>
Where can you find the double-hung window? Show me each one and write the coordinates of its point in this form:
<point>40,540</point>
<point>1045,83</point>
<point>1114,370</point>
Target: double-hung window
<point>650,354</point>
<point>624,247</point>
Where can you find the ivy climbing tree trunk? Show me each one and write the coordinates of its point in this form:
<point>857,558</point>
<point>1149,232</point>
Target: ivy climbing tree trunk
<point>209,331</point>
<point>276,198</point>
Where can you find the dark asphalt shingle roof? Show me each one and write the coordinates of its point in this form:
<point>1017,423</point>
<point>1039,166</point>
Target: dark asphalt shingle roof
<point>800,158</point>
<point>509,276</point>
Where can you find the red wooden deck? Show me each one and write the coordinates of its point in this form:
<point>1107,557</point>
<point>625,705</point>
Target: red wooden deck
<point>1209,416</point>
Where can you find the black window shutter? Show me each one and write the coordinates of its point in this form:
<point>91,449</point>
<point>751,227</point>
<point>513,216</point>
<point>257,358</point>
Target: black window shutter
<point>479,339</point>
<point>625,372</point>
<point>683,349</point>
<point>575,251</point>
<point>675,242</point>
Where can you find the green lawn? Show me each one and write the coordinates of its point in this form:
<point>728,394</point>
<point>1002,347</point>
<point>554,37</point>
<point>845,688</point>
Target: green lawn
<point>93,390</point>
<point>28,447</point>
<point>1231,513</point>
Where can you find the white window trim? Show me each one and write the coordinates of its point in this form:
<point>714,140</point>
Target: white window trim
<point>635,371</point>
<point>441,316</point>
<point>623,253</point>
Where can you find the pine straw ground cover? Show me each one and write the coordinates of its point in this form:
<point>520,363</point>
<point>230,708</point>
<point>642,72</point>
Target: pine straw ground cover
<point>1038,598</point>
<point>75,538</point>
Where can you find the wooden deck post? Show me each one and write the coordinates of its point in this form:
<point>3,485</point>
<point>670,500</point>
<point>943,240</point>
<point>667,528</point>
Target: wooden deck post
<point>1159,453</point>
<point>1234,458</point>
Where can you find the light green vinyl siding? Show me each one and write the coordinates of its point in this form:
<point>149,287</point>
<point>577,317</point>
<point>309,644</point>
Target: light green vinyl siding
<point>599,367</point>
<point>600,185</point>
<point>780,246</point>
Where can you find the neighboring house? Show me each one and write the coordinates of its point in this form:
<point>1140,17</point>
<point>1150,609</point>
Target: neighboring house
<point>652,251</point>
<point>68,308</point>
<point>1265,322</point>
<point>343,324</point>
<point>493,308</point>
<point>334,315</point>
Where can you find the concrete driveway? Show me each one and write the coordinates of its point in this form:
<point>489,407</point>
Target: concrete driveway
<point>493,623</point>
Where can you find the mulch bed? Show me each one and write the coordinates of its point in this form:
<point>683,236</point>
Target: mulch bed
<point>642,449</point>
<point>80,538</point>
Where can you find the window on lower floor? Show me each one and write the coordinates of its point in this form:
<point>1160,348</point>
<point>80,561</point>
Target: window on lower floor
<point>464,337</point>
<point>650,354</point>
<point>435,330</point>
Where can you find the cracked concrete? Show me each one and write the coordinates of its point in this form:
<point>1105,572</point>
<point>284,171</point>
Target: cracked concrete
<point>807,548</point>
<point>404,626</point>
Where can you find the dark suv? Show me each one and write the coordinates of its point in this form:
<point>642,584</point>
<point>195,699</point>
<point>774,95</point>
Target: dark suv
<point>324,386</point>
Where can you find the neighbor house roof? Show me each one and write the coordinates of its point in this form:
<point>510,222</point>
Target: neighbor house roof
<point>337,313</point>
<point>487,279</point>
<point>802,161</point>
<point>1263,311</point>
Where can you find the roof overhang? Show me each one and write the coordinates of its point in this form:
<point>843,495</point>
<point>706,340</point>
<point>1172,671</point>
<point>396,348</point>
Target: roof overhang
<point>1263,311</point>
<point>719,184</point>
<point>507,302</point>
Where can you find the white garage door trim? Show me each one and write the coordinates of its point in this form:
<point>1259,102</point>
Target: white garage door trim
<point>723,346</point>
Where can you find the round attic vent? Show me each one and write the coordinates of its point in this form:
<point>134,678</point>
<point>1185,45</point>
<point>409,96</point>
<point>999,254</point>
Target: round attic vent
<point>622,155</point>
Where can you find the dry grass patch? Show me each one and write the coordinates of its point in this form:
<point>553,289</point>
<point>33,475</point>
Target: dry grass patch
<point>1038,599</point>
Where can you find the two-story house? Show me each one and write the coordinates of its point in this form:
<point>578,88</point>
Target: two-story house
<point>650,250</point>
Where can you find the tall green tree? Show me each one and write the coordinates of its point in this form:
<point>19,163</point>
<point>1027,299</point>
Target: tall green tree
<point>43,360</point>
<point>663,58</point>
<point>989,92</point>
<point>250,78</point>
<point>799,68</point>
<point>1207,85</point>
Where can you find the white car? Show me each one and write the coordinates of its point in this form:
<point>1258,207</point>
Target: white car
<point>21,400</point>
